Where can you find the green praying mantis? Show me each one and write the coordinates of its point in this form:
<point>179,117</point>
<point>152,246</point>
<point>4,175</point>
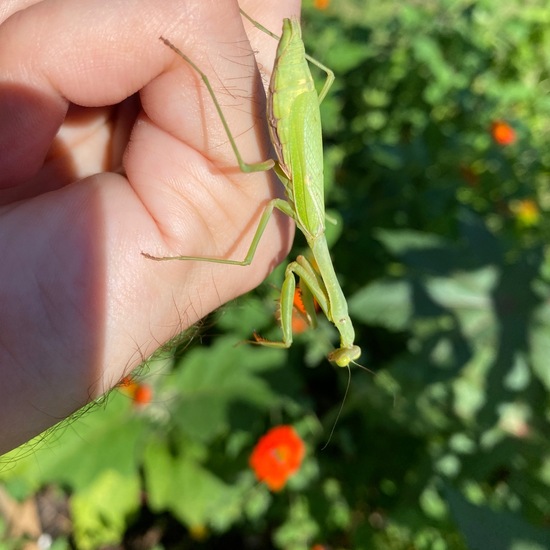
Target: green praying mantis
<point>294,122</point>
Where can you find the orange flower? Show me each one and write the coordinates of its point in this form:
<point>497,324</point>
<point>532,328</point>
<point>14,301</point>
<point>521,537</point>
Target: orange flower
<point>277,456</point>
<point>300,318</point>
<point>141,394</point>
<point>321,4</point>
<point>299,322</point>
<point>298,301</point>
<point>526,211</point>
<point>126,382</point>
<point>503,133</point>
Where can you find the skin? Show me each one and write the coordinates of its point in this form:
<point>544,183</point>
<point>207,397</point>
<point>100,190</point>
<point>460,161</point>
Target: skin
<point>109,147</point>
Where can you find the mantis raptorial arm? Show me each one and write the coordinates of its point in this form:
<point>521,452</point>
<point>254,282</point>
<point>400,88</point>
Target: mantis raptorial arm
<point>295,128</point>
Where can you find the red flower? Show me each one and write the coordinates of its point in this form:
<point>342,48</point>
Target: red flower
<point>277,456</point>
<point>503,133</point>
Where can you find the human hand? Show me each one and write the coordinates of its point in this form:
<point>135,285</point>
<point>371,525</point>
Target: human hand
<point>92,174</point>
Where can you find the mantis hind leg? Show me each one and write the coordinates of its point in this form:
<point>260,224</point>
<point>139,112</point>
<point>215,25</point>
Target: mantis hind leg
<point>280,204</point>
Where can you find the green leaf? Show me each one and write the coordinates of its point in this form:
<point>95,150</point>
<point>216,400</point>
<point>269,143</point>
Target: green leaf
<point>480,524</point>
<point>540,343</point>
<point>182,485</point>
<point>214,379</point>
<point>468,294</point>
<point>76,452</point>
<point>299,529</point>
<point>398,242</point>
<point>385,302</point>
<point>101,511</point>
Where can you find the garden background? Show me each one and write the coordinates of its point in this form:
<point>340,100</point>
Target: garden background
<point>437,165</point>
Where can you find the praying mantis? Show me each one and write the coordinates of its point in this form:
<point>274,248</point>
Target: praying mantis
<point>294,122</point>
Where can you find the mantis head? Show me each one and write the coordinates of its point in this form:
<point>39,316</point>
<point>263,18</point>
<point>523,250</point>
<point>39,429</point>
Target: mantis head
<point>344,356</point>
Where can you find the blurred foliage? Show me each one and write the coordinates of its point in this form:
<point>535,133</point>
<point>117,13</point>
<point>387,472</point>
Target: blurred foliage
<point>443,253</point>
